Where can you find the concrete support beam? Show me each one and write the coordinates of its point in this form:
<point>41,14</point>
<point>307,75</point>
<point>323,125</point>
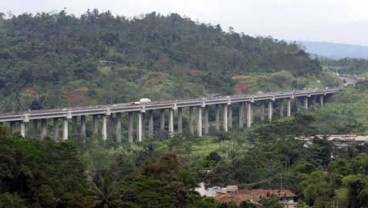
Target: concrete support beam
<point>288,107</point>
<point>83,127</point>
<point>270,110</point>
<point>130,127</point>
<point>262,111</point>
<point>206,126</point>
<point>191,120</point>
<point>104,127</point>
<point>281,108</point>
<point>35,128</point>
<point>180,120</point>
<point>306,103</point>
<point>224,118</point>
<point>95,125</point>
<point>65,129</point>
<point>162,119</point>
<point>249,115</point>
<point>150,122</point>
<point>171,122</point>
<point>56,129</point>
<point>43,129</point>
<point>241,115</point>
<point>118,128</point>
<point>199,122</point>
<point>321,100</point>
<point>23,129</point>
<point>230,112</point>
<point>218,117</point>
<point>75,125</point>
<point>140,127</point>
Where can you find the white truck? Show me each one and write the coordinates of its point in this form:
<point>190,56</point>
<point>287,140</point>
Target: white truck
<point>142,101</point>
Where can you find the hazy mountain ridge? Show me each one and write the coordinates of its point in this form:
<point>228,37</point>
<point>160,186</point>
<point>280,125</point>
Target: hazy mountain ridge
<point>335,50</point>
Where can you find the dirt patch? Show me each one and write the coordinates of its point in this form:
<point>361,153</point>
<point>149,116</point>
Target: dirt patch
<point>241,87</point>
<point>78,96</point>
<point>28,92</point>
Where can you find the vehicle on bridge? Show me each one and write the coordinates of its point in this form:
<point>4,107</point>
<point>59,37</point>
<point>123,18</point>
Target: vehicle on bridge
<point>141,101</point>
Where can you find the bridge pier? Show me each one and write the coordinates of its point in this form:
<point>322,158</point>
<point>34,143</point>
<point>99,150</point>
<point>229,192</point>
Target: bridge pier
<point>104,127</point>
<point>199,122</point>
<point>23,129</point>
<point>321,100</point>
<point>241,115</point>
<point>180,120</point>
<point>270,110</point>
<point>281,108</point>
<point>162,119</point>
<point>206,120</point>
<point>95,125</point>
<point>150,122</point>
<point>130,127</point>
<point>191,120</point>
<point>83,127</point>
<point>75,126</point>
<point>65,129</point>
<point>230,119</point>
<point>217,115</point>
<point>56,129</point>
<point>224,118</point>
<point>289,107</point>
<point>118,128</point>
<point>43,129</point>
<point>140,127</point>
<point>249,115</point>
<point>171,122</point>
<point>306,103</point>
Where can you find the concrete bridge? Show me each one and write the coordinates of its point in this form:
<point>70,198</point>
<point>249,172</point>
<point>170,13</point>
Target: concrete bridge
<point>106,118</point>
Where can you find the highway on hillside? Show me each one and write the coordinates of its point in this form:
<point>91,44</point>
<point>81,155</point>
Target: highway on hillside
<point>128,107</point>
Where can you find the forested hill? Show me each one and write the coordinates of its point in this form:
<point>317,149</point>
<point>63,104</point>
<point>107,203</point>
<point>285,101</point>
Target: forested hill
<point>54,60</point>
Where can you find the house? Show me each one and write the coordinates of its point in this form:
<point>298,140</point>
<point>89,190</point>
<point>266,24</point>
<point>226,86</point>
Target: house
<point>233,194</point>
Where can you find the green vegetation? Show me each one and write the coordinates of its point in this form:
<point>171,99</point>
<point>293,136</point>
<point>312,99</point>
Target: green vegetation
<point>58,60</point>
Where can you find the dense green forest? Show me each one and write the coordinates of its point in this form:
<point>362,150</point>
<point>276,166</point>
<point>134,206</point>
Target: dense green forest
<point>162,172</point>
<point>56,59</point>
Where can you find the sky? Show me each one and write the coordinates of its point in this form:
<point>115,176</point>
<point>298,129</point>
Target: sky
<point>339,21</point>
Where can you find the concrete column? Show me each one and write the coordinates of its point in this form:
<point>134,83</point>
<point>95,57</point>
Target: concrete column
<point>162,119</point>
<point>241,115</point>
<point>206,120</point>
<point>230,112</point>
<point>118,128</point>
<point>150,122</point>
<point>140,126</point>
<point>252,113</point>
<point>56,129</point>
<point>130,127</point>
<point>43,129</point>
<point>75,125</point>
<point>224,118</point>
<point>288,107</point>
<point>249,115</point>
<point>83,127</point>
<point>95,125</point>
<point>199,122</point>
<point>281,108</point>
<point>306,103</point>
<point>218,117</point>
<point>65,129</point>
<point>262,111</point>
<point>104,127</point>
<point>180,121</point>
<point>191,120</point>
<point>171,122</point>
<point>321,100</point>
<point>23,129</point>
<point>12,127</point>
<point>270,110</point>
<point>35,128</point>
